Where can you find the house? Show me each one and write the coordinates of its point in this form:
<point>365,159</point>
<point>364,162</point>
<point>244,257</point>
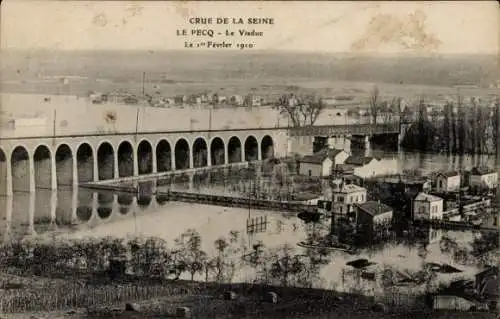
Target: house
<point>452,215</point>
<point>252,100</point>
<point>321,163</point>
<point>359,160</point>
<point>345,196</point>
<point>236,100</point>
<point>366,166</point>
<point>372,214</point>
<point>181,99</point>
<point>426,206</point>
<point>448,182</point>
<point>483,178</point>
<point>342,197</point>
<point>195,99</point>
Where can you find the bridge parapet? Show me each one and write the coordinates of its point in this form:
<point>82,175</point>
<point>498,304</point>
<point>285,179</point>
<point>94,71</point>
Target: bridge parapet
<point>351,129</point>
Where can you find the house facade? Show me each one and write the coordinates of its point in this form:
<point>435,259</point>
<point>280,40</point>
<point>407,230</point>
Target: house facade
<point>342,197</point>
<point>321,163</point>
<point>345,196</point>
<point>481,177</point>
<point>315,166</point>
<point>366,167</point>
<point>252,100</point>
<point>426,206</point>
<point>448,182</point>
<point>371,214</point>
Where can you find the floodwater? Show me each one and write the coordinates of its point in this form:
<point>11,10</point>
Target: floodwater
<point>83,212</point>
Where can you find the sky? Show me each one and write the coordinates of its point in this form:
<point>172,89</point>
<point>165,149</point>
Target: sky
<point>358,27</point>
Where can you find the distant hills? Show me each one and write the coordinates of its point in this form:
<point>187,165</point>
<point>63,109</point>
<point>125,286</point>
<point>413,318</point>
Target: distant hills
<point>201,66</point>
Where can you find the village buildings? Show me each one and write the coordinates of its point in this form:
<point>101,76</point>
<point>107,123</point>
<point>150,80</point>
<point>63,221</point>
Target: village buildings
<point>428,207</point>
<point>372,214</point>
<point>366,166</point>
<point>252,100</point>
<point>448,182</point>
<point>345,196</point>
<point>321,163</point>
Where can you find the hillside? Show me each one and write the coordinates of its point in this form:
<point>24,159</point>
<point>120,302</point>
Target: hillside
<point>446,70</point>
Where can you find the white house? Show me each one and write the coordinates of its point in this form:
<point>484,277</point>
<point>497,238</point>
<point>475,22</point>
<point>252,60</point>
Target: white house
<point>236,100</point>
<point>345,196</point>
<point>366,166</point>
<point>321,163</point>
<point>448,182</point>
<point>426,206</point>
<point>483,177</point>
<point>252,100</point>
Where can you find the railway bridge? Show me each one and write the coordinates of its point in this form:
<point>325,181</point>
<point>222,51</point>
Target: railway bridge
<point>71,141</point>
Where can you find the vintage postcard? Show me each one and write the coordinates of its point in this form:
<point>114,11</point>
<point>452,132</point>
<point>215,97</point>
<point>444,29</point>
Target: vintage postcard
<point>253,159</point>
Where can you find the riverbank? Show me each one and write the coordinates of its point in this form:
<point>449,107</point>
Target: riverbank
<point>207,300</point>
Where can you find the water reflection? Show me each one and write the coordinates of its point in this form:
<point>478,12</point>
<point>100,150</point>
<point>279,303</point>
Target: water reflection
<point>125,201</point>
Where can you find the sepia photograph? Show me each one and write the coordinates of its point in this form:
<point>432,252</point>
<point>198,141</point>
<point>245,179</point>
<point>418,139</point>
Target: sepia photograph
<point>249,159</point>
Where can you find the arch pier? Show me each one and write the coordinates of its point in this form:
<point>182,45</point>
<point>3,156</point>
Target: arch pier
<point>27,164</point>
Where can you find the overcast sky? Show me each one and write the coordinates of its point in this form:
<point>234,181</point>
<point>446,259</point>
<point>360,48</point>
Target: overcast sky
<point>444,27</point>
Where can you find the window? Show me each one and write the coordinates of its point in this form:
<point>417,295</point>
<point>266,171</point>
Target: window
<point>440,183</point>
<point>310,173</point>
<point>340,199</point>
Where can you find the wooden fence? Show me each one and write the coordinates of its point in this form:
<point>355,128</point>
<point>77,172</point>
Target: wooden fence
<point>79,296</point>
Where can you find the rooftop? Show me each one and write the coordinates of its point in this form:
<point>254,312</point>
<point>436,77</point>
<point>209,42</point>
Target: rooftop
<point>344,167</point>
<point>424,197</point>
<point>449,174</point>
<point>482,171</point>
<point>319,157</point>
<point>312,159</point>
<point>358,160</point>
<point>374,208</point>
<point>351,188</point>
<point>332,152</point>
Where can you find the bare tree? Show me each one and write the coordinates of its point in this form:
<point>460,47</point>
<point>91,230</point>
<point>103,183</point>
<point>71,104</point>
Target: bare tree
<point>374,103</point>
<point>302,110</point>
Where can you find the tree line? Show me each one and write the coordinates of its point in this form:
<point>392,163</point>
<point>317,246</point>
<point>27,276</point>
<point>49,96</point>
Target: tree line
<point>152,257</point>
<point>461,128</point>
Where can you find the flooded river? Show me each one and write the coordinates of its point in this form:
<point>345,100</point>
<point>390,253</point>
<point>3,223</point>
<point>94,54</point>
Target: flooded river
<point>83,212</point>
